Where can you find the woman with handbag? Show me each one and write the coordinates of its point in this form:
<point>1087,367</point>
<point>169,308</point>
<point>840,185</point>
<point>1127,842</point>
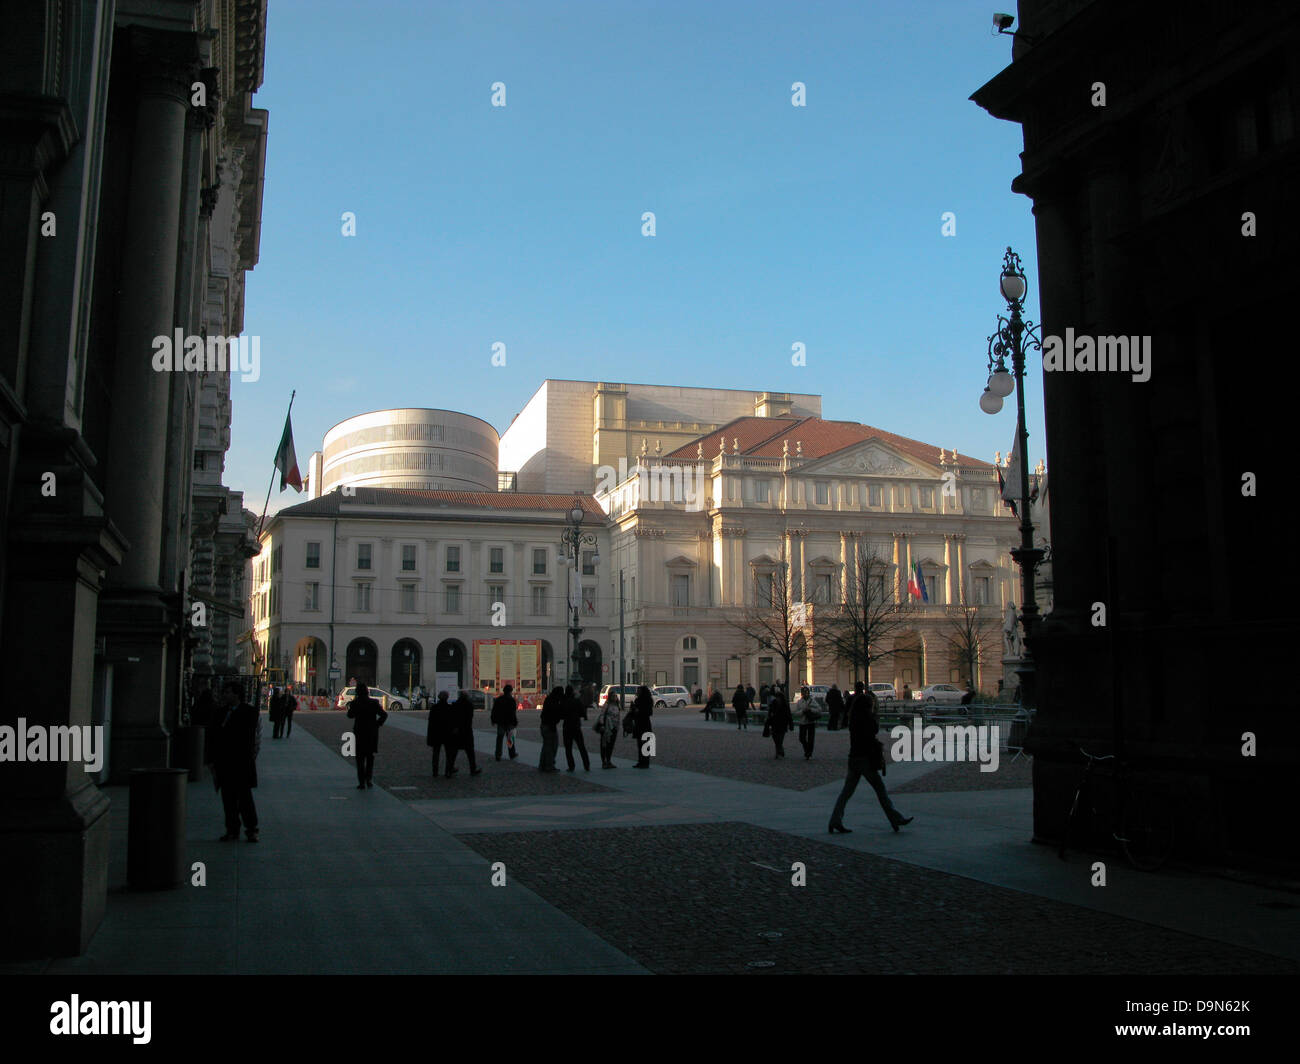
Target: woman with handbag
<point>866,760</point>
<point>807,717</point>
<point>642,709</point>
<point>607,728</point>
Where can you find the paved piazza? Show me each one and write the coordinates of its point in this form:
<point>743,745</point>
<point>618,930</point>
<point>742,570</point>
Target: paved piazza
<point>687,868</point>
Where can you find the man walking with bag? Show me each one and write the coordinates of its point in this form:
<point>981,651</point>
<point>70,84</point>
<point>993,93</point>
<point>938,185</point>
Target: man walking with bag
<point>866,760</point>
<point>505,715</point>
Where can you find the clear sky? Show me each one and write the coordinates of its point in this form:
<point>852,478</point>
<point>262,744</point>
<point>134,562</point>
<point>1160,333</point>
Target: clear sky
<point>522,224</point>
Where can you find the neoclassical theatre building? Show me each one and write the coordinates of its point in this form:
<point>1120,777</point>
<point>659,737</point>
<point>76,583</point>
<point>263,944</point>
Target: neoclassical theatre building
<point>701,536</point>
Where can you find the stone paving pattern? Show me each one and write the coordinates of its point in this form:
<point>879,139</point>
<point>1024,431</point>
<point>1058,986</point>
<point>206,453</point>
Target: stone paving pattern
<point>703,898</point>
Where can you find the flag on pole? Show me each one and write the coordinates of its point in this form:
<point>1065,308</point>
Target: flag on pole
<point>1011,486</point>
<point>920,583</point>
<point>285,459</point>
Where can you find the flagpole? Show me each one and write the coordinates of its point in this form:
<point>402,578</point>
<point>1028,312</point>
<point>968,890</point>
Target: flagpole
<point>262,519</point>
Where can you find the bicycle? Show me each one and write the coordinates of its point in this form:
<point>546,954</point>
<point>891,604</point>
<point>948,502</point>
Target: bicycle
<point>1141,825</point>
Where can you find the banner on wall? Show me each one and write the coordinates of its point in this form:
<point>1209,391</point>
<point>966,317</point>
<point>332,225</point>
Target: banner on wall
<point>518,662</point>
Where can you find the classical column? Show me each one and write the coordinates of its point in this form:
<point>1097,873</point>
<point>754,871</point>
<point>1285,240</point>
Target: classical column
<point>136,616</point>
<point>846,573</point>
<point>948,570</point>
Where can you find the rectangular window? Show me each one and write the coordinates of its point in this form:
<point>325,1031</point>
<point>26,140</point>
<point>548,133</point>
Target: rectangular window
<point>764,589</point>
<point>496,593</point>
<point>363,555</point>
<point>539,561</point>
<point>497,560</point>
<point>311,601</point>
<point>761,489</point>
<point>927,497</point>
<point>878,589</point>
<point>363,597</point>
<point>453,559</point>
<point>822,589</point>
<point>977,499</point>
<point>198,459</point>
<point>408,557</point>
<point>408,598</point>
<point>451,598</point>
<point>539,602</point>
<point>982,590</point>
<point>873,495</point>
<point>681,589</point>
<point>313,556</point>
<point>588,563</point>
<point>929,588</point>
<point>823,493</point>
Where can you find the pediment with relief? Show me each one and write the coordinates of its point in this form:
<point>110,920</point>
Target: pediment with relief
<point>872,458</point>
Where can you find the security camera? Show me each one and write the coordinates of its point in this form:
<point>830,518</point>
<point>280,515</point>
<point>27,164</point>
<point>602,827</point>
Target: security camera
<point>1002,22</point>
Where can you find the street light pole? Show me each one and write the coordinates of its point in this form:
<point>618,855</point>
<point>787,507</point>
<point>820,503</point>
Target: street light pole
<point>573,539</point>
<point>1014,337</point>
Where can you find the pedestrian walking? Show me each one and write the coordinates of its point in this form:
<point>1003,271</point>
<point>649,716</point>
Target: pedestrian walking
<point>551,716</point>
<point>462,711</point>
<point>234,749</point>
<point>740,703</point>
<point>275,710</point>
<point>807,716</point>
<point>607,728</point>
<point>866,760</point>
<point>715,705</point>
<point>287,708</point>
<point>642,710</point>
<point>907,693</point>
<point>505,715</point>
<point>764,695</point>
<point>370,717</point>
<point>749,693</point>
<point>779,720</point>
<point>437,734</point>
<point>574,714</point>
<point>834,707</point>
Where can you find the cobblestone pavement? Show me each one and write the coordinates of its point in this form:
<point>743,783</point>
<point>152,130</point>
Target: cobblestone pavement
<point>403,765</point>
<point>717,898</point>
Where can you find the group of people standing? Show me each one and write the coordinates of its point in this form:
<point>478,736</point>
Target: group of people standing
<point>451,729</point>
<point>281,710</point>
<point>569,708</point>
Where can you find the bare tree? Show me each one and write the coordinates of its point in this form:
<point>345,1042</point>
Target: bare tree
<point>968,631</point>
<point>774,622</point>
<point>855,632</point>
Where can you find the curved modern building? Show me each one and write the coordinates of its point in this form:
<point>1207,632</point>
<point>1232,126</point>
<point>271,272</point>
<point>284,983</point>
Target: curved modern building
<point>411,447</point>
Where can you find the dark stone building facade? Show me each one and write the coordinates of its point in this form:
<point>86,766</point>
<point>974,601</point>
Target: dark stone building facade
<point>1168,212</point>
<point>131,166</point>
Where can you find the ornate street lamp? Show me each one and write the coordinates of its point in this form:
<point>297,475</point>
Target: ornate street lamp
<point>572,540</point>
<point>1014,337</point>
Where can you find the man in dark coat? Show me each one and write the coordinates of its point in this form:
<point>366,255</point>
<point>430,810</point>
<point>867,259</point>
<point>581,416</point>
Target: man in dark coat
<point>505,715</point>
<point>574,714</point>
<point>275,710</point>
<point>463,734</point>
<point>642,710</point>
<point>287,709</point>
<point>552,714</point>
<point>835,707</point>
<point>437,734</point>
<point>866,758</point>
<point>779,719</point>
<point>740,702</point>
<point>234,762</point>
<point>370,717</point>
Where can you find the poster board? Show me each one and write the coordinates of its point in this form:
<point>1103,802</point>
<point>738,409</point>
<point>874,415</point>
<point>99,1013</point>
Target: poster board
<point>518,662</point>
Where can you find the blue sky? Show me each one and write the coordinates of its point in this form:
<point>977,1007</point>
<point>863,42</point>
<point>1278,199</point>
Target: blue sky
<point>522,224</point>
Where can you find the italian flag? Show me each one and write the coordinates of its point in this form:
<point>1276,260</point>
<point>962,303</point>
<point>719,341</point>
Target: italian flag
<point>286,461</point>
<point>914,581</point>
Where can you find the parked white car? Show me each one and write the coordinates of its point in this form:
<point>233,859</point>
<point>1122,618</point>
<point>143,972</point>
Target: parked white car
<point>384,698</point>
<point>884,692</point>
<point>670,696</point>
<point>942,693</point>
<point>627,694</point>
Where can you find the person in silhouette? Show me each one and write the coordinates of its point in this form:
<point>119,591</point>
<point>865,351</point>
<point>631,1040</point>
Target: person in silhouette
<point>436,734</point>
<point>866,760</point>
<point>551,716</point>
<point>234,761</point>
<point>462,712</point>
<point>835,707</point>
<point>505,715</point>
<point>740,703</point>
<point>642,710</point>
<point>574,714</point>
<point>370,717</point>
<point>779,720</point>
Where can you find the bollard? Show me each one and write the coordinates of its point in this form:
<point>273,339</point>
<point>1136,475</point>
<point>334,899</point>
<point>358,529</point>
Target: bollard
<point>155,839</point>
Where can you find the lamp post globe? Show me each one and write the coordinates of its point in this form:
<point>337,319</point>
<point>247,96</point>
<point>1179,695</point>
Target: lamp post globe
<point>990,402</point>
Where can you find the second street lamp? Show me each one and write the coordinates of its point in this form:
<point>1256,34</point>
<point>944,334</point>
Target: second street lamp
<point>1014,337</point>
<point>573,539</point>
